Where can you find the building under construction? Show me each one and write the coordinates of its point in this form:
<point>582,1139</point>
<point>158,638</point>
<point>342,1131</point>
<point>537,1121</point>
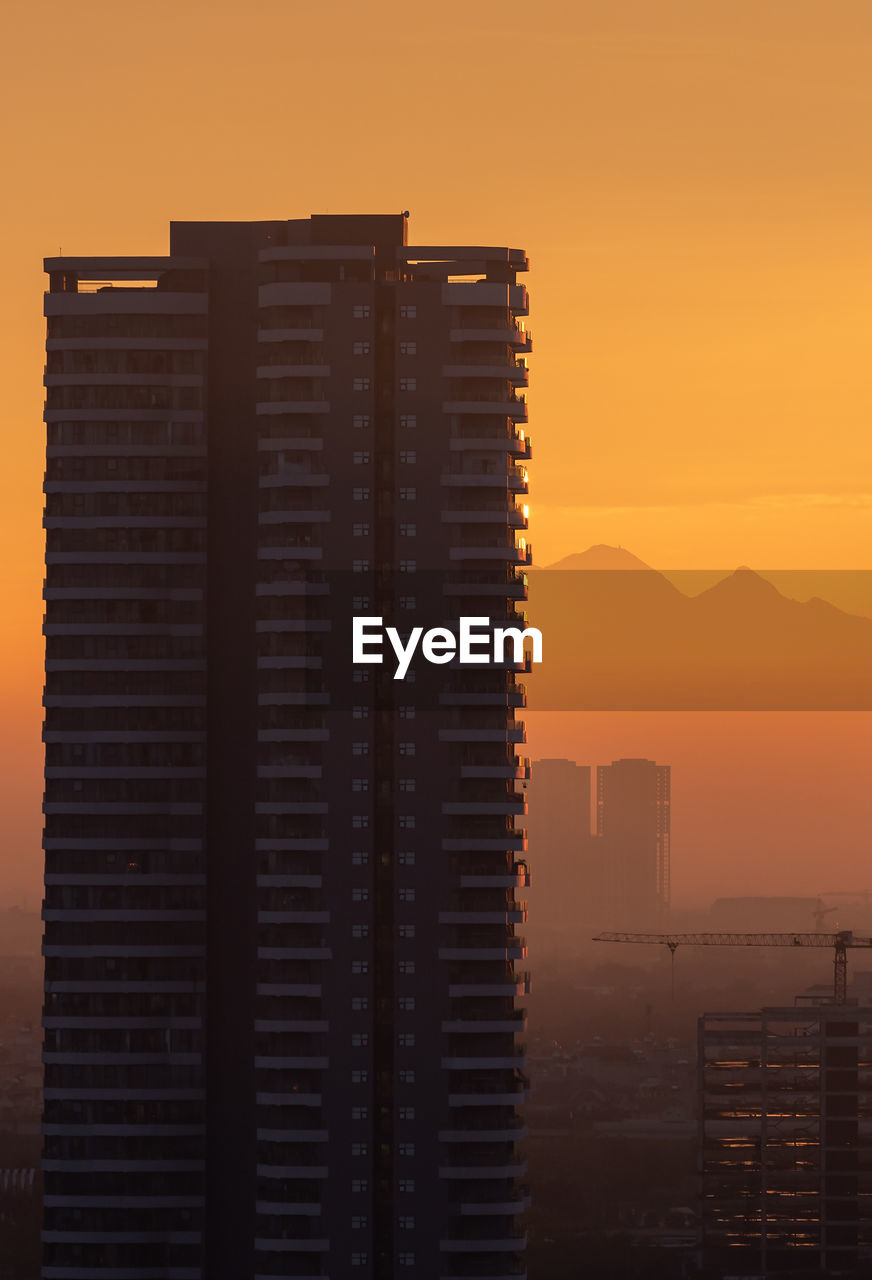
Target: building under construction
<point>785,1142</point>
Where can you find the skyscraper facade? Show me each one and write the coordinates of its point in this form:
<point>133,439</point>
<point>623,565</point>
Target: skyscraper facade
<point>282,931</point>
<point>633,824</point>
<point>785,1105</point>
<point>566,896</point>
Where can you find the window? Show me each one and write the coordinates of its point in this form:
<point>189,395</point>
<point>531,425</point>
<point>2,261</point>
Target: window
<point>360,456</point>
<point>360,784</point>
<point>360,966</point>
<point>409,456</point>
<point>359,713</point>
<point>408,311</point>
<point>359,858</point>
<point>358,1220</point>
<point>359,421</point>
<point>408,602</point>
<point>407,494</point>
<point>407,1259</point>
<point>406,931</point>
<point>406,858</point>
<point>360,493</point>
<point>359,1077</point>
<point>408,530</point>
<point>407,966</point>
<point>407,895</point>
<point>409,420</point>
<point>359,1113</point>
<point>360,748</point>
<point>408,348</point>
<point>360,602</point>
<point>407,822</point>
<point>407,1148</point>
<point>408,566</point>
<point>359,1040</point>
<point>359,821</point>
<point>407,1113</point>
<point>360,675</point>
<point>407,1077</point>
<point>406,384</point>
<point>406,1039</point>
<point>407,713</point>
<point>358,1259</point>
<point>360,348</point>
<point>360,384</point>
<point>360,931</point>
<point>359,1148</point>
<point>407,784</point>
<point>360,895</point>
<point>360,311</point>
<point>406,1185</point>
<point>407,748</point>
<point>360,566</point>
<point>359,1002</point>
<point>407,1004</point>
<point>406,1223</point>
<point>360,529</point>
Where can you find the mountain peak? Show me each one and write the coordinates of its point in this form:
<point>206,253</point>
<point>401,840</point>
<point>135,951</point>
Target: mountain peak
<point>601,556</point>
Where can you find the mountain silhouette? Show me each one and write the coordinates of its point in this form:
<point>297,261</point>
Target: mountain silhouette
<point>630,639</point>
<point>601,556</point>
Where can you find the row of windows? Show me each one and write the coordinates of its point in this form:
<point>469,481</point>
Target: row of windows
<point>364,384</point>
<point>362,784</point>
<point>405,713</point>
<point>360,1075</point>
<point>360,1003</point>
<point>360,528</point>
<point>362,1259</point>
<point>362,492</point>
<point>360,821</point>
<point>364,566</point>
<point>404,749</point>
<point>406,348</point>
<point>362,311</point>
<point>360,421</point>
<point>360,858</point>
<point>362,895</point>
<point>361,456</point>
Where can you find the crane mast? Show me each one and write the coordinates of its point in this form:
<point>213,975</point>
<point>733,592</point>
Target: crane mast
<point>839,943</point>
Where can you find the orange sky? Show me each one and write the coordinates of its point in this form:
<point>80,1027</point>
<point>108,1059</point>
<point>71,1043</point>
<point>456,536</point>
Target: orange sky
<point>690,178</point>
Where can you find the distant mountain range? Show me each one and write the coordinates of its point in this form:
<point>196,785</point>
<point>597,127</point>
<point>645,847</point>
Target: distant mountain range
<point>619,634</point>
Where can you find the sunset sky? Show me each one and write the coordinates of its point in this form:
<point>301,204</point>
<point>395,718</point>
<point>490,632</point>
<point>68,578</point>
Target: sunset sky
<point>691,179</point>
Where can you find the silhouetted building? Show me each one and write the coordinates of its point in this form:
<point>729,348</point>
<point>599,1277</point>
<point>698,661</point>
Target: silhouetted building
<point>281,923</point>
<point>785,1141</point>
<point>558,826</point>
<point>633,824</point>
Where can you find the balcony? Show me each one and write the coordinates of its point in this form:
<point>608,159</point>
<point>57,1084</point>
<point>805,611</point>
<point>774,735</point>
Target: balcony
<point>513,949</point>
<point>512,1242</point>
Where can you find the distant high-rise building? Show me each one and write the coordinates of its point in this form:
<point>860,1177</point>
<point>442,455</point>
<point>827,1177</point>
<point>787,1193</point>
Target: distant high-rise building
<point>558,827</point>
<point>281,924</point>
<point>785,1107</point>
<point>633,824</point>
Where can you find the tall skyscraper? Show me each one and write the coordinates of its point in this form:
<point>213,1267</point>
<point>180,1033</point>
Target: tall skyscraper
<point>633,823</point>
<point>281,915</point>
<point>566,896</point>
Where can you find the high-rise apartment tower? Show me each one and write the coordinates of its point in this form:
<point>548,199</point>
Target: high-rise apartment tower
<point>282,936</point>
<point>633,822</point>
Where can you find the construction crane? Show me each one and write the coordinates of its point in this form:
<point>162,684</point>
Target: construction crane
<point>840,943</point>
